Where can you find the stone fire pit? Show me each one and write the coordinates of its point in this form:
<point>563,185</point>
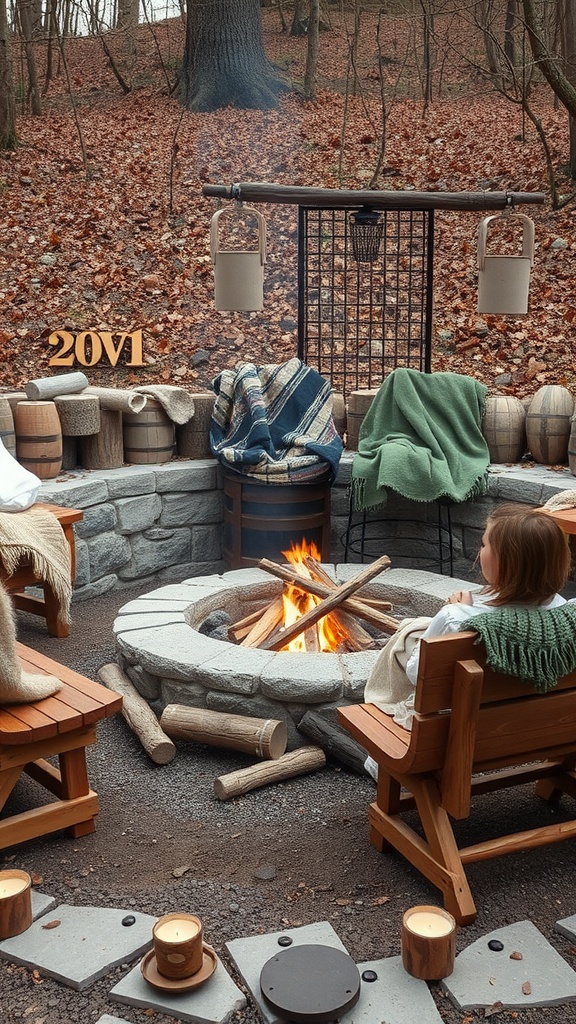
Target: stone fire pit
<point>170,661</point>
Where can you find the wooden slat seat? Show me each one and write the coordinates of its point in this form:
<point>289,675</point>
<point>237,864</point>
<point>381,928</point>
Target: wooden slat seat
<point>60,726</point>
<point>474,731</point>
<point>48,605</point>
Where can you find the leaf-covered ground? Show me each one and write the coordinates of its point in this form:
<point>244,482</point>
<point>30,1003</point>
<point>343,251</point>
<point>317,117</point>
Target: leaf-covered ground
<point>126,245</point>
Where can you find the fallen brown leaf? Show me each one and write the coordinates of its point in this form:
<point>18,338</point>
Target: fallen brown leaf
<point>51,924</point>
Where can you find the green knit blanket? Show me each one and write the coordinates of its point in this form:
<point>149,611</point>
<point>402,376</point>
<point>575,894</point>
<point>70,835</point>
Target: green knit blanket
<point>536,644</point>
<point>422,438</point>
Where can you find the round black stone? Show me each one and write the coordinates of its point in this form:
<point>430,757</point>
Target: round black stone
<point>128,920</point>
<point>496,945</point>
<point>310,984</point>
<point>284,940</point>
<point>369,976</point>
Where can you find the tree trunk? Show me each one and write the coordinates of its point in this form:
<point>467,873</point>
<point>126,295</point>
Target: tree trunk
<point>548,63</point>
<point>25,10</point>
<point>485,18</point>
<point>7,101</point>
<point>568,28</point>
<point>299,26</point>
<point>312,51</point>
<point>224,59</point>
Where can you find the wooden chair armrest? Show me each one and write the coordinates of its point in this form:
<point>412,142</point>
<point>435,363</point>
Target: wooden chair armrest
<point>455,785</point>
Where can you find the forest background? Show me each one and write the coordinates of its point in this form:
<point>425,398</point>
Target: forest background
<point>103,225</point>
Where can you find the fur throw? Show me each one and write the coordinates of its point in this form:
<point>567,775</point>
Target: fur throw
<point>17,686</point>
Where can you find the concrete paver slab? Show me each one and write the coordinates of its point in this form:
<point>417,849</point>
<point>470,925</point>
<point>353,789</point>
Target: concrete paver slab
<point>250,954</point>
<point>393,998</point>
<point>483,976</point>
<point>213,1003</point>
<point>84,946</point>
<point>107,1019</point>
<point>41,903</point>
<point>567,926</point>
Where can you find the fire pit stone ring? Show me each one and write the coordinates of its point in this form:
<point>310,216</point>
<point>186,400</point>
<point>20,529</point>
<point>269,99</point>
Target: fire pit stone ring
<point>170,661</point>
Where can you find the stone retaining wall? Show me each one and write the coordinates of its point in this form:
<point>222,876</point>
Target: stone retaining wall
<point>165,522</point>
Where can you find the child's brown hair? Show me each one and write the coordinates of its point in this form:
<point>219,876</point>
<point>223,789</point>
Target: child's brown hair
<point>532,552</point>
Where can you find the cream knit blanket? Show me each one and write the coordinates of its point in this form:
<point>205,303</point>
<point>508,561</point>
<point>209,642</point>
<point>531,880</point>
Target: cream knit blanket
<point>36,535</point>
<point>388,685</point>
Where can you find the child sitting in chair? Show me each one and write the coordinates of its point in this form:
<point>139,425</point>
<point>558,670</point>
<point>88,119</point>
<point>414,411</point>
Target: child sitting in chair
<point>524,558</point>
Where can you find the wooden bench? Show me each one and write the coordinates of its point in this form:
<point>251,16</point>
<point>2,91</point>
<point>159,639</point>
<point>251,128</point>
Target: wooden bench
<point>60,726</point>
<point>469,720</point>
<point>48,605</point>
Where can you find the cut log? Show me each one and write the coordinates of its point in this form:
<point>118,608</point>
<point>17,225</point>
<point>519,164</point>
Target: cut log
<point>193,437</point>
<point>387,623</point>
<point>333,599</point>
<point>338,744</point>
<point>49,387</point>
<point>104,450</point>
<point>296,762</point>
<point>358,639</point>
<point>79,414</point>
<point>139,715</point>
<point>267,622</point>
<point>265,737</point>
<point>238,630</point>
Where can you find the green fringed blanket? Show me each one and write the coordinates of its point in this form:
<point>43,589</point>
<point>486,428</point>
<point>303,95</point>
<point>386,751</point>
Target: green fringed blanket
<point>536,644</point>
<point>422,438</point>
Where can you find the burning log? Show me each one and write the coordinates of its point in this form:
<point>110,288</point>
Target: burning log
<point>296,762</point>
<point>358,638</point>
<point>268,620</point>
<point>327,604</point>
<point>357,606</point>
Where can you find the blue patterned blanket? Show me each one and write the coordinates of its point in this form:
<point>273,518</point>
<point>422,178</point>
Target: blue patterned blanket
<point>274,423</point>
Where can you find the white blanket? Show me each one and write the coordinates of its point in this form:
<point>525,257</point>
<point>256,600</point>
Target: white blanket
<point>388,685</point>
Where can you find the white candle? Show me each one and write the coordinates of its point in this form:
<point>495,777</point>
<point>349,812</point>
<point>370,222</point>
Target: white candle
<point>177,930</point>
<point>11,886</point>
<point>426,922</point>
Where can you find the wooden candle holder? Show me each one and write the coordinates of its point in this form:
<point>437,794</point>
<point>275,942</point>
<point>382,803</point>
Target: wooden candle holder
<point>15,902</point>
<point>178,945</point>
<point>428,943</point>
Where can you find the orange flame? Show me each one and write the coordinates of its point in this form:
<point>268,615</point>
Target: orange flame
<point>329,633</point>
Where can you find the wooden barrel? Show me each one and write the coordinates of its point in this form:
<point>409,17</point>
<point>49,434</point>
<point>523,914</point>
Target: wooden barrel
<point>7,434</point>
<point>38,438</point>
<point>263,520</point>
<point>504,427</point>
<point>548,424</point>
<point>358,404</point>
<point>148,435</point>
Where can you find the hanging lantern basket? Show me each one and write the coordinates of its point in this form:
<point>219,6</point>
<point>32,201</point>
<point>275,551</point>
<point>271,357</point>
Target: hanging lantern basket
<point>504,281</point>
<point>366,229</point>
<point>238,273</point>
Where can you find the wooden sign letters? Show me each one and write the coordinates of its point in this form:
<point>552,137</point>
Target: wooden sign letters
<point>89,347</point>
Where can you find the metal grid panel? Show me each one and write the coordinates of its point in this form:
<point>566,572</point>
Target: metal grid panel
<point>358,321</point>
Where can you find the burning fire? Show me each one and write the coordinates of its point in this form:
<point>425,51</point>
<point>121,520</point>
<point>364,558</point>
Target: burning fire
<point>327,634</point>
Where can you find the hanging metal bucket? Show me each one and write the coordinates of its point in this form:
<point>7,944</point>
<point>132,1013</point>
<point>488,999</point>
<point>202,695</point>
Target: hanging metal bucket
<point>504,281</point>
<point>238,274</point>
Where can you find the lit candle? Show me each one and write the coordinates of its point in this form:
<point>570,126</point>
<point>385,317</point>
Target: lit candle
<point>10,886</point>
<point>428,943</point>
<point>178,945</point>
<point>427,923</point>
<point>15,902</point>
<point>177,930</point>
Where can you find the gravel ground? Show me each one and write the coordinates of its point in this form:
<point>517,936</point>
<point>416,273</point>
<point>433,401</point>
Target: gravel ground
<point>289,854</point>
